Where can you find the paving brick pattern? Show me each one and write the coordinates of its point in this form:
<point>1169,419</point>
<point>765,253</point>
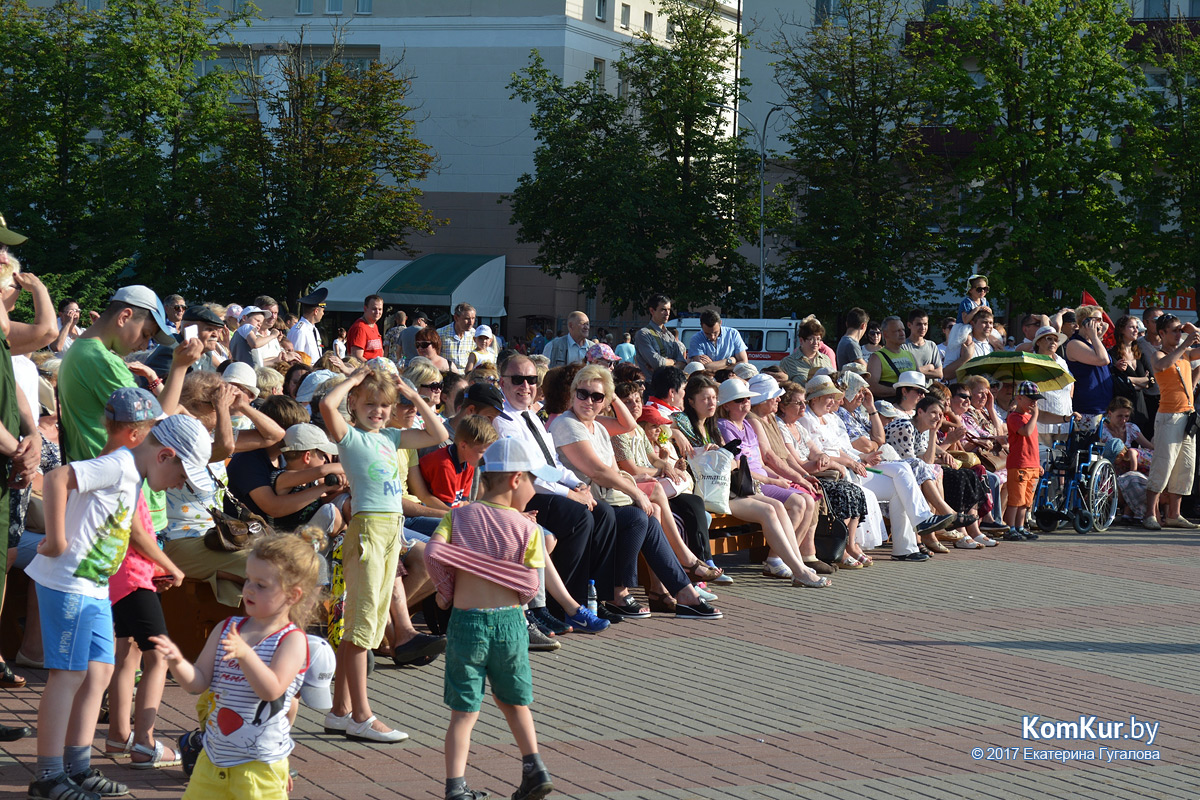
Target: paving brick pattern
<point>879,687</point>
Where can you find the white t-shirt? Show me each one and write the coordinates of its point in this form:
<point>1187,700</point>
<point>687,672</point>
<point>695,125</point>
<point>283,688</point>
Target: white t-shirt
<point>26,374</point>
<point>567,429</point>
<point>99,516</point>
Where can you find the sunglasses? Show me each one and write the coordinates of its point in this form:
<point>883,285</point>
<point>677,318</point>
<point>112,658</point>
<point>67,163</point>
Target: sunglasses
<point>433,387</point>
<point>595,397</point>
<point>962,397</point>
<point>982,289</point>
<point>517,380</point>
<point>424,344</point>
<point>178,307</point>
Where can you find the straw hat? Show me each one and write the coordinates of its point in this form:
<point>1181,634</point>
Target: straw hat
<point>1046,330</point>
<point>821,386</point>
<point>745,370</point>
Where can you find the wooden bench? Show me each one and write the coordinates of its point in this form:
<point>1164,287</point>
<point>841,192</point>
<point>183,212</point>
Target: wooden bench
<point>192,612</point>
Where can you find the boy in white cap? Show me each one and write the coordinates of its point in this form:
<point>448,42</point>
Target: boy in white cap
<point>89,507</point>
<point>483,558</point>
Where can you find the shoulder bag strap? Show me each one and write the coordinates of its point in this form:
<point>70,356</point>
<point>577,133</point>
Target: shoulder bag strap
<point>883,354</point>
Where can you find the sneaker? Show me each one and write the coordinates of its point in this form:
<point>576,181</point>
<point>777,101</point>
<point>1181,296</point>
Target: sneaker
<point>1151,524</point>
<point>935,522</point>
<point>723,579</point>
<point>584,621</point>
<point>540,642</point>
<point>1013,535</point>
<point>1028,534</point>
<point>701,610</point>
<point>92,780</point>
<point>606,615</point>
<point>780,570</point>
<point>190,746</point>
<point>535,785</point>
<point>419,650</point>
<point>365,732</point>
<point>1180,522</point>
<point>469,794</point>
<point>59,787</point>
<point>336,724</point>
<point>546,621</point>
<point>705,594</point>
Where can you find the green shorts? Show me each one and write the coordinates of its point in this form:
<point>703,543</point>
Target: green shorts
<point>491,643</point>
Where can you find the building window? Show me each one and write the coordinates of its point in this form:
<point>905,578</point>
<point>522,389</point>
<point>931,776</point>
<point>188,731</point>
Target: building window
<point>625,12</point>
<point>598,74</point>
<point>602,10</point>
<point>670,30</point>
<point>364,7</point>
<point>333,6</point>
<point>648,22</point>
<point>622,85</point>
<point>94,5</point>
<point>934,6</point>
<point>1158,8</point>
<point>1194,9</point>
<point>304,6</point>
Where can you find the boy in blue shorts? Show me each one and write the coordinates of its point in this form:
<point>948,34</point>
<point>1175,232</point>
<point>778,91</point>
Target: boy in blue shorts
<point>483,558</point>
<point>89,508</point>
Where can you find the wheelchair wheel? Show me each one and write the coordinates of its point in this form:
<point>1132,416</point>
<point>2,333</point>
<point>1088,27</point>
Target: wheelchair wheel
<point>1046,506</point>
<point>1081,521</point>
<point>1102,494</point>
<point>1047,520</point>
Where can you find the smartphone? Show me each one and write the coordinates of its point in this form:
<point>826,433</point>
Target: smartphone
<point>191,332</point>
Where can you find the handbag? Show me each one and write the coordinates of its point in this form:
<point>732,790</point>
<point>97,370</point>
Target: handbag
<point>232,533</point>
<point>831,537</point>
<point>741,482</point>
<point>712,470</point>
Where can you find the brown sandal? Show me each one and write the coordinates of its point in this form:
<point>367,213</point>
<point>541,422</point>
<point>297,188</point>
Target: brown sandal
<point>8,678</point>
<point>935,546</point>
<point>661,602</point>
<point>699,572</point>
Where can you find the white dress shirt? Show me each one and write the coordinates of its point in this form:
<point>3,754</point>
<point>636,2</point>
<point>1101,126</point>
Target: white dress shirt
<point>305,339</point>
<point>517,428</point>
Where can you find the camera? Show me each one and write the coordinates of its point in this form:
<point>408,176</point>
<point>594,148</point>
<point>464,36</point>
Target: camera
<point>331,480</point>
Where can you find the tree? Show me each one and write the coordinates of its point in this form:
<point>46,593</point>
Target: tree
<point>856,214</point>
<point>318,164</point>
<point>642,192</point>
<point>1045,92</point>
<point>1166,253</point>
<point>107,123</point>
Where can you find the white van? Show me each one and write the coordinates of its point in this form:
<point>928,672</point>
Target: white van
<point>768,341</point>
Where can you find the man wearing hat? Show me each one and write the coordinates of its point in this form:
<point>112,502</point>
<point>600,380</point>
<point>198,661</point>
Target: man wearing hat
<point>304,335</point>
<point>208,330</point>
<point>94,367</point>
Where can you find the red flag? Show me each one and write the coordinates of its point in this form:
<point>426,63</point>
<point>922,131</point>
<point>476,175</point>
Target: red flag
<point>1110,335</point>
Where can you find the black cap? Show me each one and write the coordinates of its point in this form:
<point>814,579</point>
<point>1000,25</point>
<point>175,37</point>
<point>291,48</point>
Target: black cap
<point>315,298</point>
<point>417,317</point>
<point>202,314</point>
<point>484,394</point>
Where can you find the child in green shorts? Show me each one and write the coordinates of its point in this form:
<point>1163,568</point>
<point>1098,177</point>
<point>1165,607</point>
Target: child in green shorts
<point>483,558</point>
<point>371,548</point>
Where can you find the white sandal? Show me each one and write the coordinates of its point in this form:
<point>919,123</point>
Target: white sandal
<point>156,757</point>
<point>125,750</point>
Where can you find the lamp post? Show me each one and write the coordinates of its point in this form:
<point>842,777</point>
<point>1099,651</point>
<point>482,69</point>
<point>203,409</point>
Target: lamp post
<point>761,135</point>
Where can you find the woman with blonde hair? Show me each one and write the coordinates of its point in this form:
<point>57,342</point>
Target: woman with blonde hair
<point>1089,361</point>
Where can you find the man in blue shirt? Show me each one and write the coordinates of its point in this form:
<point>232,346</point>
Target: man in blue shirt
<point>715,346</point>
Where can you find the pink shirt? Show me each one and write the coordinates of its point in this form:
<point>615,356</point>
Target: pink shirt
<point>136,571</point>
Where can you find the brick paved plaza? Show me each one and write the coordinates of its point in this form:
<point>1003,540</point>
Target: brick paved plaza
<point>878,687</point>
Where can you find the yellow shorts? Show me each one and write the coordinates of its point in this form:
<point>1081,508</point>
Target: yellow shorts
<point>370,553</point>
<point>251,781</point>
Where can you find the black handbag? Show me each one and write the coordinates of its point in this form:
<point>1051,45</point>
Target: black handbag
<point>741,482</point>
<point>831,536</point>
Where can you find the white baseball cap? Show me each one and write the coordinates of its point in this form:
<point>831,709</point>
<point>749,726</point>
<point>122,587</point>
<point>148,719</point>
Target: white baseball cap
<point>315,693</point>
<point>242,375</point>
<point>140,296</point>
<point>510,455</point>
<point>248,310</point>
<point>484,330</point>
<point>190,441</point>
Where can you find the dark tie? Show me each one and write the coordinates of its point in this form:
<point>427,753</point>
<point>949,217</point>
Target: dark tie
<point>537,435</point>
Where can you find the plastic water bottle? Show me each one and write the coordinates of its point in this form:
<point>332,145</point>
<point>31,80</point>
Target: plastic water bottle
<point>592,603</point>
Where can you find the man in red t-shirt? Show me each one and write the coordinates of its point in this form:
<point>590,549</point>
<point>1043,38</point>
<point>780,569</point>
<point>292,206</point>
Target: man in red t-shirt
<point>364,340</point>
<point>1023,463</point>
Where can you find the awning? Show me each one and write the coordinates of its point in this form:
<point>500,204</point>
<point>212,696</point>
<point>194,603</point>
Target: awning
<point>436,280</point>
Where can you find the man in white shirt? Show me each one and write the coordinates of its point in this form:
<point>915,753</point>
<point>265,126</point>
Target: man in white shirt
<point>584,527</point>
<point>572,347</point>
<point>304,335</point>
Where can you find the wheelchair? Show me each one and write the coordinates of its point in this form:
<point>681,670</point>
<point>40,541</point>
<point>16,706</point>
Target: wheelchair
<point>1079,485</point>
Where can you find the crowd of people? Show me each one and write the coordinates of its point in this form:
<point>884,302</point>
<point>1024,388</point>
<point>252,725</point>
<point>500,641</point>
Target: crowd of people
<point>518,486</point>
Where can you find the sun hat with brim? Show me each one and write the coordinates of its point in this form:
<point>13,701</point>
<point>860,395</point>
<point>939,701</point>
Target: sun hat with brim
<point>9,237</point>
<point>888,410</point>
<point>652,416</point>
<point>242,375</point>
<point>306,436</point>
<point>511,455</point>
<point>602,352</point>
<point>745,370</point>
<point>304,393</point>
<point>733,389</point>
<point>190,441</point>
<point>1046,330</point>
<point>764,388</point>
<point>821,386</point>
<point>46,397</point>
<point>140,296</point>
<point>693,367</point>
<point>855,366</point>
<point>912,380</point>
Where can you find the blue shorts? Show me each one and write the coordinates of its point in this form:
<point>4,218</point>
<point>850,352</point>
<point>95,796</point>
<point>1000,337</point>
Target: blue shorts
<point>76,629</point>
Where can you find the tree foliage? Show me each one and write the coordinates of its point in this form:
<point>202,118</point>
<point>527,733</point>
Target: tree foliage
<point>641,192</point>
<point>1045,92</point>
<point>857,215</point>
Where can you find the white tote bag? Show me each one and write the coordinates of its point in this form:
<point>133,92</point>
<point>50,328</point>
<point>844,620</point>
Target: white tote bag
<point>712,469</point>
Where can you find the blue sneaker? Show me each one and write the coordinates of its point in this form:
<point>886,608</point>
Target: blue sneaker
<point>584,621</point>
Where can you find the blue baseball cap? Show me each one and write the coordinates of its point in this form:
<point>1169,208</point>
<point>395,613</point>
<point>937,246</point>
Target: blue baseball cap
<point>144,297</point>
<point>131,404</point>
